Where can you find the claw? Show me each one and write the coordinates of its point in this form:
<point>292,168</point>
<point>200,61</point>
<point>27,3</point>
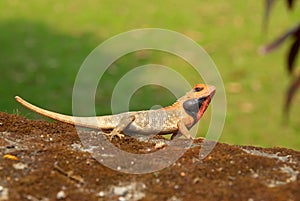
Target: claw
<point>114,133</point>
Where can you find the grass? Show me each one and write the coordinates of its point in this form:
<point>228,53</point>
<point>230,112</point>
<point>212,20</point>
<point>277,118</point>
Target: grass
<point>43,44</point>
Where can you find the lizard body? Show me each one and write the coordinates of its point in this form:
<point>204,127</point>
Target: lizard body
<point>175,119</point>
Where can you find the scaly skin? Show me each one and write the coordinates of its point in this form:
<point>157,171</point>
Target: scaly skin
<point>176,119</point>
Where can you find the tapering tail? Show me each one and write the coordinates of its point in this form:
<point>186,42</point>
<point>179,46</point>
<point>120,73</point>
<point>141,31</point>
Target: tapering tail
<point>90,122</point>
<point>53,115</point>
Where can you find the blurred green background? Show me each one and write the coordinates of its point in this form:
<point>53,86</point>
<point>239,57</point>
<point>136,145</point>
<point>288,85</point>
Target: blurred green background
<point>43,44</point>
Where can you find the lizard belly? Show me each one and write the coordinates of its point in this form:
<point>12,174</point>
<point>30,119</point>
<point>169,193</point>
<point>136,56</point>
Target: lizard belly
<point>153,122</point>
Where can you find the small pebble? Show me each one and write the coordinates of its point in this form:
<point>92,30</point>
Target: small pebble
<point>120,190</point>
<point>3,193</point>
<point>220,169</point>
<point>196,180</point>
<point>101,194</point>
<point>20,166</point>
<point>122,199</point>
<point>159,145</point>
<point>255,175</point>
<point>61,195</point>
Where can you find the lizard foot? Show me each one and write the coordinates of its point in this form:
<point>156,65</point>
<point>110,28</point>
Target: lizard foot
<point>124,122</point>
<point>114,133</point>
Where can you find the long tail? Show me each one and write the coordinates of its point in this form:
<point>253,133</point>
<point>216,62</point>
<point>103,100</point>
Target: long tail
<point>79,121</point>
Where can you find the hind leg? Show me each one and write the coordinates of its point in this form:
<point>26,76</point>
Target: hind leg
<point>124,122</point>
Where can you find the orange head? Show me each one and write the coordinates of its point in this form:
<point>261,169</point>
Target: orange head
<point>197,100</point>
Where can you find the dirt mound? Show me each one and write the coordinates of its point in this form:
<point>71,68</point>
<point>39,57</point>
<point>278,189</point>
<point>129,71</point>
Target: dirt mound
<point>46,161</point>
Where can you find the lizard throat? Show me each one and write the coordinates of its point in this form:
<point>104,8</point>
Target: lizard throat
<point>203,108</point>
<point>196,107</point>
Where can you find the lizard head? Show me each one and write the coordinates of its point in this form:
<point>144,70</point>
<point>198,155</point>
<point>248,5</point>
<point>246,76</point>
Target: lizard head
<point>197,100</point>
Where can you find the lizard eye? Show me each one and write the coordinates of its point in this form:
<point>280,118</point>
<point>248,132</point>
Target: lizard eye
<point>197,89</point>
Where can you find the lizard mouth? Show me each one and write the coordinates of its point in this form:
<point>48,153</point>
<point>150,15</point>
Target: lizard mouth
<point>211,91</point>
<point>204,102</point>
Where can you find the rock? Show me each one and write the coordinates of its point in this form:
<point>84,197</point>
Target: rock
<point>229,172</point>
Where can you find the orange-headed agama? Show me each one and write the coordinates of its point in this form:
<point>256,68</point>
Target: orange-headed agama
<point>176,119</point>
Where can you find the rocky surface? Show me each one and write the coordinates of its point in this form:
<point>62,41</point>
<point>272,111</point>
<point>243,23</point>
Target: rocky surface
<point>47,161</point>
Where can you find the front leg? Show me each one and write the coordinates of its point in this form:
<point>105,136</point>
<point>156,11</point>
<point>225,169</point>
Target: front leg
<point>124,122</point>
<point>182,130</point>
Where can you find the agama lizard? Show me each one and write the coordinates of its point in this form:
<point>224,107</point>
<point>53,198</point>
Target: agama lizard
<point>176,119</point>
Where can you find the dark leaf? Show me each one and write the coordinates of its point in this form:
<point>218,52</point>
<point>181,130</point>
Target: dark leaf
<point>293,55</point>
<point>291,94</point>
<point>290,4</point>
<point>270,47</point>
<point>297,32</point>
<point>268,5</point>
